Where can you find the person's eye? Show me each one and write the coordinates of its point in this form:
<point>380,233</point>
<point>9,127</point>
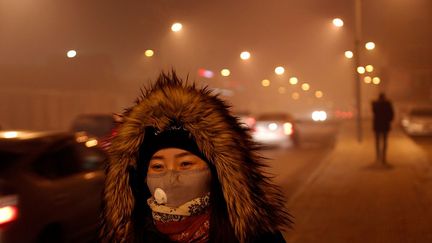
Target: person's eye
<point>156,166</point>
<point>186,164</point>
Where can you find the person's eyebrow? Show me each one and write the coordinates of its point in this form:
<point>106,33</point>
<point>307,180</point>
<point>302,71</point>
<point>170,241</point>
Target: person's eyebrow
<point>157,157</point>
<point>182,154</point>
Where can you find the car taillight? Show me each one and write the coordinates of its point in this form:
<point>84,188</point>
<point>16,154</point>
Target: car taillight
<point>288,128</point>
<point>8,209</point>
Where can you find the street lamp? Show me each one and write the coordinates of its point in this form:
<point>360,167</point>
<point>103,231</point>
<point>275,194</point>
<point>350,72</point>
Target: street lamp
<point>265,82</point>
<point>149,53</point>
<point>370,45</point>
<point>71,54</point>
<point>176,27</point>
<point>293,80</point>
<point>225,72</point>
<point>245,55</point>
<point>279,70</point>
<point>349,54</point>
<point>338,22</point>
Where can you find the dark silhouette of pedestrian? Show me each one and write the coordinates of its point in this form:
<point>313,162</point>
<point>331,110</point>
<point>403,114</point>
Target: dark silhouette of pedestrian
<point>382,116</point>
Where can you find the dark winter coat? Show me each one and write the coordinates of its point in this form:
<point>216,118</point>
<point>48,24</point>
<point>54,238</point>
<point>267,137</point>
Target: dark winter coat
<point>246,207</point>
<point>382,115</point>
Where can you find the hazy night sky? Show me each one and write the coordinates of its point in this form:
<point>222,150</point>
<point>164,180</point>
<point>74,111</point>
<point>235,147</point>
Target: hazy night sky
<point>111,37</point>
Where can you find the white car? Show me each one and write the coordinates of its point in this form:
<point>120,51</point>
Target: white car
<point>276,129</point>
<point>50,187</point>
<point>418,121</point>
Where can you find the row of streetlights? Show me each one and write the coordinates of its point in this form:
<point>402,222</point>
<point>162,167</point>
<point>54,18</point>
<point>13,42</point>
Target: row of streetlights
<point>225,72</point>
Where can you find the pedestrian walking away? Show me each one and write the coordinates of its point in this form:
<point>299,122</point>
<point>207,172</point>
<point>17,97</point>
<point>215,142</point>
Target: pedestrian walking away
<point>183,169</point>
<point>383,115</point>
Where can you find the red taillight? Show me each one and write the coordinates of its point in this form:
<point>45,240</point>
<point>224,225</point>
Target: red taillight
<point>8,208</point>
<point>8,214</point>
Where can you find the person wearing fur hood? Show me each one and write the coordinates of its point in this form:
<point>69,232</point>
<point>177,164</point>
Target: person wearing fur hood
<point>182,168</point>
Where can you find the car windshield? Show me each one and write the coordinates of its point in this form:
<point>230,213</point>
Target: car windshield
<point>421,112</point>
<point>99,126</point>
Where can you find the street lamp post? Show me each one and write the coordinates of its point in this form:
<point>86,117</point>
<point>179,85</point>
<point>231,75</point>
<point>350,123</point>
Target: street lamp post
<point>357,77</point>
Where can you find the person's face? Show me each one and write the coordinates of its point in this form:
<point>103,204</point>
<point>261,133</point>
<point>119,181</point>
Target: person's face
<point>174,159</point>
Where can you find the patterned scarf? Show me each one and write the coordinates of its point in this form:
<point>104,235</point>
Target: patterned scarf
<point>189,222</point>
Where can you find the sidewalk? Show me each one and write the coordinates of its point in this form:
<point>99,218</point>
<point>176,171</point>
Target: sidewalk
<point>352,198</point>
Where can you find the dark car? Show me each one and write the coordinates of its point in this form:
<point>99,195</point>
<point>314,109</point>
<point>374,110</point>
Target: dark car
<point>50,187</point>
<point>94,125</point>
<point>276,129</point>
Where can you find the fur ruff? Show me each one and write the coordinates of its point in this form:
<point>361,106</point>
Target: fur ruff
<point>254,204</point>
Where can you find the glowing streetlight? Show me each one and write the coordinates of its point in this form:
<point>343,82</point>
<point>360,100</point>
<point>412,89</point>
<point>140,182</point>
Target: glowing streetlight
<point>281,90</point>
<point>369,68</point>
<point>176,27</point>
<point>338,22</point>
<point>305,86</point>
<point>279,70</point>
<point>376,80</point>
<point>319,94</point>
<point>370,45</point>
<point>349,54</point>
<point>295,96</point>
<point>245,55</point>
<point>149,53</point>
<point>265,82</point>
<point>225,72</point>
<point>361,70</point>
<point>71,54</point>
<point>293,80</point>
<point>367,79</point>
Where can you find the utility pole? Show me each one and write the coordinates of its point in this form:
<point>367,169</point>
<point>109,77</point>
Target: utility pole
<point>357,77</point>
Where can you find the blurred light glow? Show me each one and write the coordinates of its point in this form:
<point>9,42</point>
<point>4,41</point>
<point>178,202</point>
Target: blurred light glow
<point>376,80</point>
<point>369,68</point>
<point>338,22</point>
<point>281,90</point>
<point>293,80</point>
<point>367,79</point>
<point>91,143</point>
<point>265,82</point>
<point>295,96</point>
<point>89,176</point>
<point>149,53</point>
<point>370,45</point>
<point>273,126</point>
<point>225,72</point>
<point>205,73</point>
<point>11,134</point>
<point>349,54</point>
<point>8,214</point>
<point>305,86</point>
<point>176,27</point>
<point>245,55</point>
<point>319,115</point>
<point>361,70</point>
<point>319,94</point>
<point>279,70</point>
<point>288,128</point>
<point>71,54</point>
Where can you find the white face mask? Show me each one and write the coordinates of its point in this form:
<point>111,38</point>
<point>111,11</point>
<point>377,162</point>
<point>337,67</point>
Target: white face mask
<point>174,188</point>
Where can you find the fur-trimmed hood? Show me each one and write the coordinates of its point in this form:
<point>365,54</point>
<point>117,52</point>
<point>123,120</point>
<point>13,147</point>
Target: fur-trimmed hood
<point>253,203</point>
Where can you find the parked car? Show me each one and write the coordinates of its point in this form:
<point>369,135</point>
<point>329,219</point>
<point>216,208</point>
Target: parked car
<point>418,121</point>
<point>94,125</point>
<point>50,187</point>
<point>276,129</point>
